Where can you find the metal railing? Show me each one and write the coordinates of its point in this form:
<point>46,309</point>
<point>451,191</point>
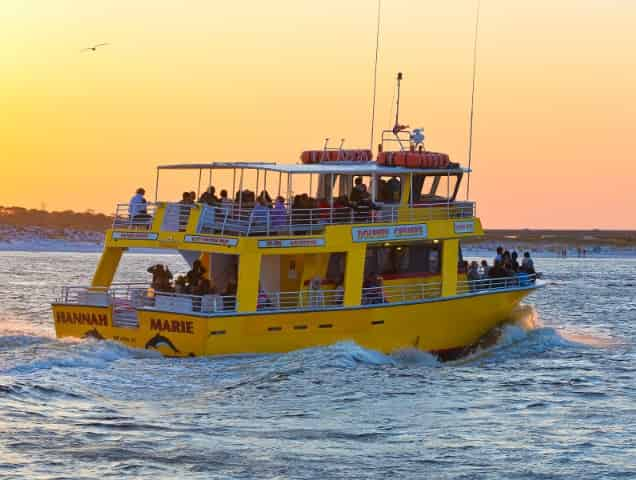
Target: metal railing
<point>520,280</point>
<point>300,300</point>
<point>401,293</point>
<point>232,220</point>
<point>285,221</point>
<point>127,298</point>
<point>141,220</point>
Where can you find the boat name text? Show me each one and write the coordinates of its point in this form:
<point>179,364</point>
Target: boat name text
<point>172,326</point>
<point>82,318</point>
<point>382,234</point>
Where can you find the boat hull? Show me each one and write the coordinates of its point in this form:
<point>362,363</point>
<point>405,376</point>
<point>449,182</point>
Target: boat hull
<point>444,326</point>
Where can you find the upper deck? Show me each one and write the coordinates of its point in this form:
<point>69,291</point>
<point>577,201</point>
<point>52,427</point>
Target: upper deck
<point>398,196</point>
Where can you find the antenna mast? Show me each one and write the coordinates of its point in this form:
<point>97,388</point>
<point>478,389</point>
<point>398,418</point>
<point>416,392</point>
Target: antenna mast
<point>375,73</point>
<point>472,99</point>
<point>397,127</point>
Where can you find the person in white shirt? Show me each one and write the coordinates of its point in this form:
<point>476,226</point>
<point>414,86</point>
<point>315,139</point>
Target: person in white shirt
<point>137,205</point>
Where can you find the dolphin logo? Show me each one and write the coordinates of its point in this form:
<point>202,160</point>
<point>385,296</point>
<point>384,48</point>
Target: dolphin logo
<point>94,333</point>
<point>159,341</point>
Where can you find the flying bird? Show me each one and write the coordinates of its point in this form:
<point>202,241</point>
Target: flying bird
<point>94,47</point>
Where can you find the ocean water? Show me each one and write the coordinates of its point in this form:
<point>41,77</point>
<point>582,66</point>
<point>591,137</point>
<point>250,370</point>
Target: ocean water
<point>553,398</point>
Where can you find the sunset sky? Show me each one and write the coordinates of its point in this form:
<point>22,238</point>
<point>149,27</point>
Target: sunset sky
<point>199,81</point>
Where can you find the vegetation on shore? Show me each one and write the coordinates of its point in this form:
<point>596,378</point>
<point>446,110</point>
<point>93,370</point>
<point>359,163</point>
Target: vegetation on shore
<point>89,221</point>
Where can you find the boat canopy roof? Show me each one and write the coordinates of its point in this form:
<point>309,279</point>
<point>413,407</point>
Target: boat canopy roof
<point>358,168</point>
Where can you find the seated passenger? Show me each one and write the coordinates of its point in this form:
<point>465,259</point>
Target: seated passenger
<point>180,285</point>
<point>209,197</point>
<point>265,198</point>
<point>202,287</point>
<point>161,277</point>
<point>527,265</point>
<point>279,215</point>
<point>259,218</point>
<point>358,188</point>
<point>263,300</point>
<point>364,207</point>
<point>137,210</point>
<point>393,190</point>
<point>184,211</point>
<point>195,274</point>
<point>341,210</point>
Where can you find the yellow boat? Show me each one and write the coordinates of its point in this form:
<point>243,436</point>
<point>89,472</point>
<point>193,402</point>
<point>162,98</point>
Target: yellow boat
<point>305,272</point>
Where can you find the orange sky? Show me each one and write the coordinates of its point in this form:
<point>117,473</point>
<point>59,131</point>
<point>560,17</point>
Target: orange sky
<point>262,80</point>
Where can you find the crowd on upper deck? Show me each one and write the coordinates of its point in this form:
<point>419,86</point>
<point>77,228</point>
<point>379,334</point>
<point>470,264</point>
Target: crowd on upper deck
<point>358,206</point>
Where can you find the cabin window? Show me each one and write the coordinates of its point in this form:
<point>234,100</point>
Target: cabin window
<point>435,188</point>
<point>403,259</point>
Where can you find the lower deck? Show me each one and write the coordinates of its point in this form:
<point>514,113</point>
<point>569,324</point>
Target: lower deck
<point>440,325</point>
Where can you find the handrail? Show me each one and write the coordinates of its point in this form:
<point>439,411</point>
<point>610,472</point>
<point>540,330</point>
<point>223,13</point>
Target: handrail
<point>520,280</point>
<point>232,220</point>
<point>141,296</point>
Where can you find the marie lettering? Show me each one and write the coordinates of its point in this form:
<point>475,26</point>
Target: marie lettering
<point>173,326</point>
<point>82,318</point>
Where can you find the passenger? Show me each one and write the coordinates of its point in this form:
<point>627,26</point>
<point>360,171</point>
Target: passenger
<point>279,215</point>
<point>484,269</point>
<point>259,218</point>
<point>497,270</point>
<point>264,301</point>
<point>499,256</point>
<point>264,196</point>
<point>342,212</point>
<point>180,285</point>
<point>161,277</point>
<point>202,287</point>
<point>184,211</point>
<point>209,197</point>
<point>193,196</point>
<point>137,208</point>
<point>380,297</point>
<point>316,297</point>
<point>473,274</point>
<point>393,189</point>
<point>513,261</point>
<point>195,274</point>
<point>358,188</point>
<point>373,290</point>
<point>364,207</point>
<point>527,264</point>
